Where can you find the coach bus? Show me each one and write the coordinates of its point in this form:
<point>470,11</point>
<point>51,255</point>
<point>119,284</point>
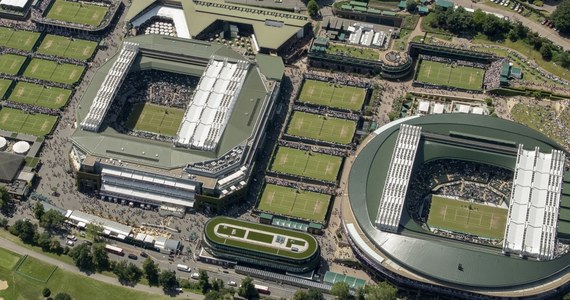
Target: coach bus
<point>114,250</point>
<point>262,289</point>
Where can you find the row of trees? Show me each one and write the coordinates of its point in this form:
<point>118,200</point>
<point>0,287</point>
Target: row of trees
<point>379,291</point>
<point>5,199</point>
<point>463,23</point>
<point>560,17</point>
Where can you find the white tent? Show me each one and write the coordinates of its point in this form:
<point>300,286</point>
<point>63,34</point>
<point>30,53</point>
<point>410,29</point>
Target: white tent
<point>21,147</point>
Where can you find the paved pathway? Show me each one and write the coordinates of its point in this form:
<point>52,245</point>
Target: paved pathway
<point>73,269</point>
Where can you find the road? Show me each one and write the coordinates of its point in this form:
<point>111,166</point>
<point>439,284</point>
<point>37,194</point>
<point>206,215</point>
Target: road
<point>534,26</point>
<point>73,269</point>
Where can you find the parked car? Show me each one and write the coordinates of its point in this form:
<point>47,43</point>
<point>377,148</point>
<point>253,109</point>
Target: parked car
<point>72,237</point>
<point>70,243</point>
<point>132,256</point>
<point>143,254</point>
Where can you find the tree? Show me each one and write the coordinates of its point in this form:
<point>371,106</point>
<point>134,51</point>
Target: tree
<point>313,8</point>
<point>55,247</point>
<point>212,295</point>
<point>82,257</point>
<point>341,290</point>
<point>300,295</point>
<point>46,292</point>
<point>134,273</point>
<point>25,230</point>
<point>411,6</point>
<point>168,280</point>
<point>127,273</point>
<point>546,51</point>
<point>560,17</point>
<point>247,289</point>
<point>381,291</point>
<point>100,257</point>
<point>43,240</point>
<point>315,295</point>
<point>5,198</point>
<point>62,296</point>
<point>38,210</point>
<point>151,271</point>
<point>94,232</point>
<point>204,282</point>
<point>3,223</point>
<point>51,220</point>
<point>360,293</point>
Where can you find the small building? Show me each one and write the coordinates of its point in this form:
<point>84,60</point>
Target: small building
<point>516,73</point>
<point>265,218</point>
<point>444,3</point>
<point>402,5</point>
<point>423,10</point>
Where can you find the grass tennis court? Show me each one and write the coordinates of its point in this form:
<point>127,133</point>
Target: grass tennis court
<point>77,12</point>
<point>295,203</point>
<point>52,71</point>
<point>67,47</point>
<point>466,217</point>
<point>308,164</point>
<point>333,95</point>
<point>321,127</point>
<point>19,121</point>
<point>11,64</point>
<point>36,269</point>
<point>18,39</point>
<point>155,118</point>
<point>4,85</point>
<point>39,95</point>
<point>449,75</point>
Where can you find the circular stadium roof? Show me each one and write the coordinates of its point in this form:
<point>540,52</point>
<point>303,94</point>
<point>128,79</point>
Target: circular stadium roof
<point>2,143</point>
<point>21,147</point>
<point>433,257</point>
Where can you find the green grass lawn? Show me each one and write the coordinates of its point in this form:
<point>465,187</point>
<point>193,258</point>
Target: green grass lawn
<point>36,269</point>
<point>321,127</point>
<point>67,47</point>
<point>39,95</point>
<point>155,118</point>
<point>232,231</point>
<point>52,71</point>
<point>351,51</point>
<point>448,75</point>
<point>466,217</point>
<point>18,121</point>
<point>291,202</point>
<point>76,12</point>
<point>4,85</point>
<point>11,64</point>
<point>8,259</point>
<point>303,163</point>
<point>18,39</point>
<point>260,237</point>
<point>333,95</point>
<point>79,287</point>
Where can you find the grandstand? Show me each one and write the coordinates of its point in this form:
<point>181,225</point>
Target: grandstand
<point>466,213</point>
<point>396,186</point>
<point>534,204</point>
<point>110,87</point>
<point>212,104</point>
<point>215,146</point>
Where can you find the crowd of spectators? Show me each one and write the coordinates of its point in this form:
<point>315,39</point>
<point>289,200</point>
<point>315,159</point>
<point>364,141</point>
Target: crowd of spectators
<point>303,186</point>
<point>31,108</point>
<point>317,149</point>
<point>157,25</point>
<point>493,74</point>
<point>471,181</point>
<point>326,111</point>
<point>230,159</point>
<point>339,78</point>
<point>456,62</point>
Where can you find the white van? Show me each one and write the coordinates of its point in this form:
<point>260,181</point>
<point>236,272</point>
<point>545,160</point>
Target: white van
<point>232,283</point>
<point>183,268</point>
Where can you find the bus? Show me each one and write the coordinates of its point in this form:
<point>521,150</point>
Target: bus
<point>262,289</point>
<point>114,250</point>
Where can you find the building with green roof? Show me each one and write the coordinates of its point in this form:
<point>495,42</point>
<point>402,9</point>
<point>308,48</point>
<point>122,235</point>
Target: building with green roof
<point>444,3</point>
<point>414,257</point>
<point>173,174</point>
<point>261,245</point>
<point>271,29</point>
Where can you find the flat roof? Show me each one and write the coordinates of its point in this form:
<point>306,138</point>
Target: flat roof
<point>112,144</point>
<point>311,249</point>
<point>10,165</point>
<point>433,257</point>
<point>201,14</point>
